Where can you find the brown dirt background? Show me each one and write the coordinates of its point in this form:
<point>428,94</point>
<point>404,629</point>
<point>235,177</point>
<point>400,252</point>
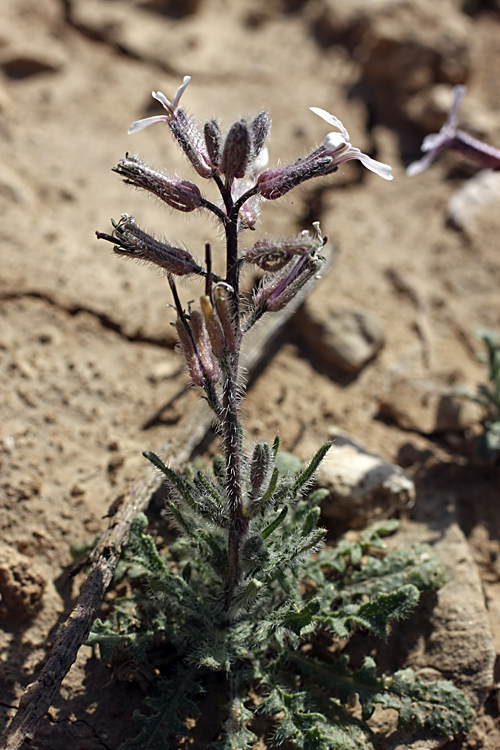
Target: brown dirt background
<point>86,350</point>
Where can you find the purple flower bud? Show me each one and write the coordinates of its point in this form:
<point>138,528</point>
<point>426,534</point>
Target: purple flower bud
<point>180,194</point>
<point>189,352</point>
<point>202,346</point>
<point>213,141</point>
<point>261,126</point>
<point>237,151</point>
<point>191,141</point>
<point>273,183</point>
<point>278,290</point>
<point>271,255</point>
<point>132,242</point>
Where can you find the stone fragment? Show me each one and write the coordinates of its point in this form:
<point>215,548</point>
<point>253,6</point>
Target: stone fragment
<point>21,585</point>
<point>420,405</point>
<point>480,193</point>
<point>363,487</point>
<point>453,640</point>
<point>346,339</point>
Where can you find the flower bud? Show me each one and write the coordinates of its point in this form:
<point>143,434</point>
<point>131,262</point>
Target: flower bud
<point>277,291</point>
<point>213,141</point>
<point>271,255</point>
<point>261,126</point>
<point>189,352</point>
<point>273,183</point>
<point>180,194</point>
<point>132,242</point>
<point>237,150</point>
<point>191,142</point>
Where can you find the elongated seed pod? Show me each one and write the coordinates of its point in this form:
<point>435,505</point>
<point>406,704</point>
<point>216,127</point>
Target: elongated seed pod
<point>190,356</point>
<point>213,327</point>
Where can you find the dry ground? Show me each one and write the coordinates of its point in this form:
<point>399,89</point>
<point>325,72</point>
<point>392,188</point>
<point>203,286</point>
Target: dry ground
<point>86,351</point>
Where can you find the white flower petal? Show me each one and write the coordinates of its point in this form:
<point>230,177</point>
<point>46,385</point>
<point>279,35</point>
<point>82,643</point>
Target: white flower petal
<point>431,141</point>
<point>141,124</point>
<point>416,167</point>
<point>162,99</point>
<point>180,92</point>
<point>333,141</point>
<point>458,92</point>
<point>331,120</point>
<point>383,170</point>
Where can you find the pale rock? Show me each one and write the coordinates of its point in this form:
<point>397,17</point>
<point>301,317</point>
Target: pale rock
<point>347,339</point>
<point>480,193</point>
<point>420,405</point>
<point>363,487</point>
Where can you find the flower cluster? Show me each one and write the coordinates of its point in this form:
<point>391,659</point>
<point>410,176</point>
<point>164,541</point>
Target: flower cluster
<point>210,337</point>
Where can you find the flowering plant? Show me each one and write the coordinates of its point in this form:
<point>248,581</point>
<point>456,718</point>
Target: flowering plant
<point>238,595</point>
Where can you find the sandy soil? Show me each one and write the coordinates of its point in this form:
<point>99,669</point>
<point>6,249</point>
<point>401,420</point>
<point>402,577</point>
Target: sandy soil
<point>86,350</point>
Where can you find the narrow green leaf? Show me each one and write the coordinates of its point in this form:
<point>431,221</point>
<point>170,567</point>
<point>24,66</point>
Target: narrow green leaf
<point>274,525</point>
<point>308,474</point>
<point>266,497</point>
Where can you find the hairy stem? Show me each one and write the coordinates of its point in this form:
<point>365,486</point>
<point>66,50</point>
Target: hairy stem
<point>231,432</point>
<point>232,453</point>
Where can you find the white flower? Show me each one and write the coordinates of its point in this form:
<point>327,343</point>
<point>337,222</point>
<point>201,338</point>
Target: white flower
<point>169,106</point>
<point>339,145</point>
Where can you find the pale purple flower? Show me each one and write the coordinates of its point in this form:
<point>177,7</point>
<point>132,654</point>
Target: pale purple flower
<point>170,108</point>
<point>338,145</point>
<point>437,141</point>
<point>450,137</point>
